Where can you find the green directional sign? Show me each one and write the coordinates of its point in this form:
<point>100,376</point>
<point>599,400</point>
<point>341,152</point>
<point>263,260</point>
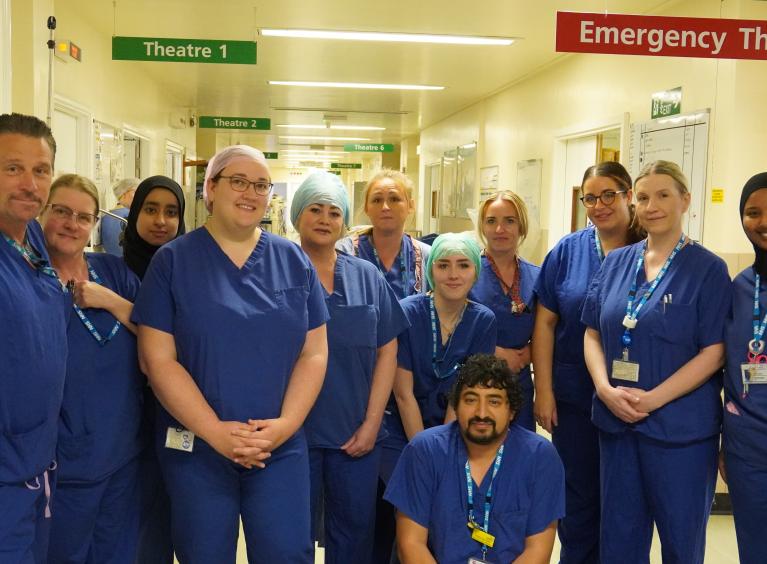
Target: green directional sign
<point>225,122</point>
<point>184,50</point>
<point>666,103</point>
<point>337,172</point>
<point>271,156</point>
<point>345,165</point>
<point>369,147</point>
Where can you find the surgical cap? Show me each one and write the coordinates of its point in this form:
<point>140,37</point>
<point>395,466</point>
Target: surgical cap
<point>320,188</point>
<point>449,244</point>
<point>125,185</point>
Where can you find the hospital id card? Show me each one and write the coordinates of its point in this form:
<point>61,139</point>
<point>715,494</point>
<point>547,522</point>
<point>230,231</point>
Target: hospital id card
<point>180,439</point>
<point>753,373</point>
<point>625,370</point>
<point>478,561</point>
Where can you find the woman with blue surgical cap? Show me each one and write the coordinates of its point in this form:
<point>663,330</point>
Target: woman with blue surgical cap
<point>445,328</point>
<point>745,384</point>
<point>344,427</point>
<point>236,353</point>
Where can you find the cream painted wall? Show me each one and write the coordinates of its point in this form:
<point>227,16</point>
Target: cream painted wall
<point>523,121</point>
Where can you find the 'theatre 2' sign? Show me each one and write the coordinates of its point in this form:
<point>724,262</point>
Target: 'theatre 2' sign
<point>661,36</point>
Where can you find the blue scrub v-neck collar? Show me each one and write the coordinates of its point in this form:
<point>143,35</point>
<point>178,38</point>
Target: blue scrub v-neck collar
<point>254,255</point>
<point>338,279</point>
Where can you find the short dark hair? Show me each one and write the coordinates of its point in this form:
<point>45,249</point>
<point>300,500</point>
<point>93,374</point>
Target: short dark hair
<point>29,126</point>
<point>487,371</point>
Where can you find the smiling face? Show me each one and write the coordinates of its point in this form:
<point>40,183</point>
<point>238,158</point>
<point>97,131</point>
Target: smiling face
<point>607,217</point>
<point>64,235</point>
<point>158,218</point>
<point>387,205</point>
<point>26,170</point>
<point>501,227</point>
<point>660,204</point>
<point>755,218</point>
<point>320,225</point>
<point>453,276</point>
<point>240,210</point>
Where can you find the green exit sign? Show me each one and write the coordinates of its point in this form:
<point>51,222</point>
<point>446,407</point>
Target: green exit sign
<point>271,156</point>
<point>666,103</point>
<point>345,165</point>
<point>369,147</point>
<point>165,49</point>
<point>226,122</point>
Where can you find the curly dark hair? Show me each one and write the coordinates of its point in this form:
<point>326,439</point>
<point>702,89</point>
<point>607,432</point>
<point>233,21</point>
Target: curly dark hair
<point>487,371</point>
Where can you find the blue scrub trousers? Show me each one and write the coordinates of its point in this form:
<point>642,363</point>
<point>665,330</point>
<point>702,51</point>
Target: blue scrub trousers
<point>209,494</point>
<point>525,416</point>
<point>347,488</point>
<point>646,481</point>
<point>97,522</point>
<point>24,530</point>
<point>577,442</point>
<point>747,485</point>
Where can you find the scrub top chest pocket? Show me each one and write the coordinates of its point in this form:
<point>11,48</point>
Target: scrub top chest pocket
<point>353,326</point>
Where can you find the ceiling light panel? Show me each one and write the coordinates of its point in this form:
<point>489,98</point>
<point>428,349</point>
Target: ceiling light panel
<point>349,127</point>
<point>321,137</point>
<point>389,37</point>
<point>363,85</point>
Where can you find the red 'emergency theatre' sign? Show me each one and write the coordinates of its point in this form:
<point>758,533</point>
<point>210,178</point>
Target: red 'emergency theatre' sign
<point>661,36</point>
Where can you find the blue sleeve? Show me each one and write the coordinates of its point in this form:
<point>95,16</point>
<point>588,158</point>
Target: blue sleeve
<point>713,305</point>
<point>391,319</point>
<point>412,485</point>
<point>155,306</point>
<point>315,304</point>
<point>548,490</point>
<point>592,306</point>
<point>546,284</point>
<point>404,352</point>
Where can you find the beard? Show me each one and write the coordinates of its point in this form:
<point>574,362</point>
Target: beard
<point>485,438</point>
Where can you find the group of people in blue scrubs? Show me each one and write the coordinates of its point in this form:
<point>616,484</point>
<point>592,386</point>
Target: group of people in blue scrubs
<point>286,386</point>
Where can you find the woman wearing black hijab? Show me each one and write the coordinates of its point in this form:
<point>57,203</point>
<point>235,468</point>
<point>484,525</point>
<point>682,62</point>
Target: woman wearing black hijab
<point>745,386</point>
<point>156,217</point>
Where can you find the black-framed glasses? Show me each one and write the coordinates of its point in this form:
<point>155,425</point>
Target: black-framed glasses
<point>62,213</point>
<point>240,184</point>
<point>607,197</point>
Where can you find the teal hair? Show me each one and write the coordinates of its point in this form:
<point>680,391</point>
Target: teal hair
<point>454,244</point>
<point>320,188</point>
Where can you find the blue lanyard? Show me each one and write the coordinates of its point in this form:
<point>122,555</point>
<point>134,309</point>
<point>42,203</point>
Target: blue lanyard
<point>598,245</point>
<point>436,334</point>
<point>630,320</point>
<point>757,345</point>
<point>87,322</point>
<point>488,496</point>
<point>402,264</point>
<point>36,262</point>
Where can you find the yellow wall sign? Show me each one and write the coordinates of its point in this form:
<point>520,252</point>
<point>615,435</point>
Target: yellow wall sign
<point>717,195</point>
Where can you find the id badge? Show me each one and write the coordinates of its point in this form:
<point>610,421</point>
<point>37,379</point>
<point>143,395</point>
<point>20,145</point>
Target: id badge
<point>478,561</point>
<point>625,370</point>
<point>753,373</point>
<point>180,439</point>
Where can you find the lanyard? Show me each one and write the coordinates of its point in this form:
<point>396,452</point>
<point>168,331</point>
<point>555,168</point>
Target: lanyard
<point>436,334</point>
<point>756,346</point>
<point>402,264</point>
<point>513,292</point>
<point>488,496</point>
<point>598,245</point>
<point>630,320</point>
<point>87,322</point>
<point>37,262</point>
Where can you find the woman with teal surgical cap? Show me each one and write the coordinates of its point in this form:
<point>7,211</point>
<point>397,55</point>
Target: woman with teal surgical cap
<point>343,430</point>
<point>445,328</point>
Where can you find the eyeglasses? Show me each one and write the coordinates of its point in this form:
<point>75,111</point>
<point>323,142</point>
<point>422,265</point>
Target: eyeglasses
<point>240,184</point>
<point>607,197</point>
<point>63,213</point>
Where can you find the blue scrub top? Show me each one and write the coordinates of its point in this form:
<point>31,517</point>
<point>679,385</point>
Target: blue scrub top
<point>238,331</point>
<point>364,315</point>
<point>111,229</point>
<point>514,329</point>
<point>476,333</point>
<point>33,329</point>
<point>103,394</point>
<point>745,418</point>
<point>429,486</point>
<point>561,287</point>
<point>663,341</point>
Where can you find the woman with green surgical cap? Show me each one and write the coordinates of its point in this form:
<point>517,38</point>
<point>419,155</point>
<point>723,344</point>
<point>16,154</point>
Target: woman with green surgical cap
<point>343,429</point>
<point>445,328</point>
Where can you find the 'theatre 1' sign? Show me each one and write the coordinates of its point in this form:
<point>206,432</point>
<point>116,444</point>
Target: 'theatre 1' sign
<point>661,36</point>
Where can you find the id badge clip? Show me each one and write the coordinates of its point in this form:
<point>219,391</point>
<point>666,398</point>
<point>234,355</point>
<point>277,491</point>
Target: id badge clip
<point>180,439</point>
<point>624,369</point>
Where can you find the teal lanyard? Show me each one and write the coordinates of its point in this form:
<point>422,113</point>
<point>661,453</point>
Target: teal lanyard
<point>35,261</point>
<point>402,264</point>
<point>488,496</point>
<point>436,334</point>
<point>598,245</point>
<point>87,322</point>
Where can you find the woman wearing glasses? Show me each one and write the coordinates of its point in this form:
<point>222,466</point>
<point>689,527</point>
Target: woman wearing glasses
<point>344,427</point>
<point>563,387</point>
<point>654,346</point>
<point>236,353</point>
<point>505,285</point>
<point>96,512</point>
<point>445,328</point>
<point>401,259</point>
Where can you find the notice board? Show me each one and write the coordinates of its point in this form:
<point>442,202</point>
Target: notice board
<point>682,139</point>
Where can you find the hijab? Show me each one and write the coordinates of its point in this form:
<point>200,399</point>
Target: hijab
<point>756,182</point>
<point>137,252</point>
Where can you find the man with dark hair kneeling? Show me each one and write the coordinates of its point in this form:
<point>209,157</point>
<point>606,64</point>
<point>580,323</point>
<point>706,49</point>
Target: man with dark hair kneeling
<point>478,490</point>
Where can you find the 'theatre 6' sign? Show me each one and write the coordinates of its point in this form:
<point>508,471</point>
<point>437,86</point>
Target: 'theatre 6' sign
<point>661,36</point>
